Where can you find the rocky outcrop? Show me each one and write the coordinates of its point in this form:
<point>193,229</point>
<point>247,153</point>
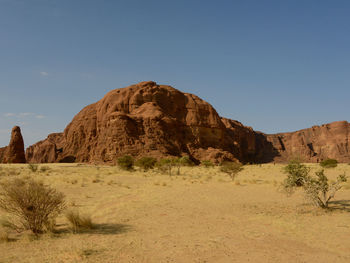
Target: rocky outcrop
<point>146,119</point>
<point>311,145</point>
<point>2,153</point>
<point>46,151</point>
<point>14,152</point>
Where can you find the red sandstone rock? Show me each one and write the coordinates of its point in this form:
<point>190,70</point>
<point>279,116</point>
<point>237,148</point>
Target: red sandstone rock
<point>314,144</point>
<point>2,153</point>
<point>147,119</point>
<point>14,152</point>
<point>45,151</point>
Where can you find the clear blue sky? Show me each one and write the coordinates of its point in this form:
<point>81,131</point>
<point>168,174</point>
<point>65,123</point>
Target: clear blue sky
<point>273,65</point>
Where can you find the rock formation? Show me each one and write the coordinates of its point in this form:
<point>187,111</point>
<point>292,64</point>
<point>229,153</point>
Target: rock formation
<point>147,119</point>
<point>14,152</point>
<point>2,153</point>
<point>312,145</point>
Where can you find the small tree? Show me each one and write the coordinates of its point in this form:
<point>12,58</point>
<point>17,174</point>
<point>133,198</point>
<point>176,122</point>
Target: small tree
<point>297,173</point>
<point>146,163</point>
<point>182,161</point>
<point>319,191</point>
<point>33,205</point>
<point>126,162</point>
<point>231,168</point>
<point>329,163</point>
<point>165,165</point>
<point>207,163</point>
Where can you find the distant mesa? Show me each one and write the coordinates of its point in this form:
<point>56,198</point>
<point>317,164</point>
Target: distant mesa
<point>14,152</point>
<point>147,119</point>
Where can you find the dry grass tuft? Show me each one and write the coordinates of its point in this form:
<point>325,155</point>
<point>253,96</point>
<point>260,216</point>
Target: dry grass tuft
<point>79,222</point>
<point>4,236</point>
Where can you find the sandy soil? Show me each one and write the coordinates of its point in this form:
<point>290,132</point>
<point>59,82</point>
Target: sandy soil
<point>198,216</point>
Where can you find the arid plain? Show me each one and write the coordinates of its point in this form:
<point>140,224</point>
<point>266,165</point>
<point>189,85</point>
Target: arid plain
<point>200,215</point>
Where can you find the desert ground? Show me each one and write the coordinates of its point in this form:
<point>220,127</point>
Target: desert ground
<point>200,215</point>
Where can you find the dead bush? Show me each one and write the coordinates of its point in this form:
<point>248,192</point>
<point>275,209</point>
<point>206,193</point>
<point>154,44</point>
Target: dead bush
<point>33,206</point>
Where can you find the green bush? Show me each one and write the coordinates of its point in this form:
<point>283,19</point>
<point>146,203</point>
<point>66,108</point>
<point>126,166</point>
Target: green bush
<point>231,168</point>
<point>329,163</point>
<point>126,162</point>
<point>185,161</point>
<point>33,167</point>
<point>146,163</point>
<point>207,163</point>
<point>297,173</point>
<point>165,165</point>
<point>33,206</point>
<point>319,191</point>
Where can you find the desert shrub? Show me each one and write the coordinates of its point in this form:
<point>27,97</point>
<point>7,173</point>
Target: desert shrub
<point>33,167</point>
<point>146,163</point>
<point>185,161</point>
<point>33,206</point>
<point>4,236</point>
<point>165,165</point>
<point>319,191</point>
<point>329,163</point>
<point>231,168</point>
<point>44,168</point>
<point>79,222</point>
<point>126,162</point>
<point>182,161</point>
<point>207,163</point>
<point>297,173</point>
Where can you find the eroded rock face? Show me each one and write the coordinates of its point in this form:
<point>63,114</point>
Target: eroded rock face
<point>14,152</point>
<point>46,151</point>
<point>145,119</point>
<point>314,144</point>
<point>2,153</point>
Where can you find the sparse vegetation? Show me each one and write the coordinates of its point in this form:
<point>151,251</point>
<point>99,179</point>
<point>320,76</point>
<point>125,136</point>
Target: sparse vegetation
<point>126,162</point>
<point>33,167</point>
<point>4,236</point>
<point>146,163</point>
<point>79,222</point>
<point>185,161</point>
<point>207,164</point>
<point>165,165</point>
<point>320,191</point>
<point>231,168</point>
<point>297,173</point>
<point>125,206</point>
<point>329,163</point>
<point>182,161</point>
<point>33,206</point>
<point>44,168</point>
